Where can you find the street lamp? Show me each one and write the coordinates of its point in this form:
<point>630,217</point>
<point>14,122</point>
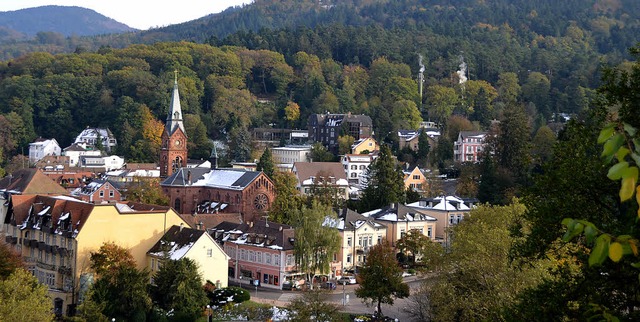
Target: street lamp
<point>209,313</point>
<point>344,297</point>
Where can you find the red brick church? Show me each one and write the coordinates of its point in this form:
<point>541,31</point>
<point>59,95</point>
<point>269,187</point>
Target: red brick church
<point>208,190</point>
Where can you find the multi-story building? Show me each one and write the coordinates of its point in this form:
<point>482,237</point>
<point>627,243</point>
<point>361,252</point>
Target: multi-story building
<point>183,242</point>
<point>77,150</point>
<point>415,180</point>
<point>194,190</point>
<point>56,235</point>
<point>96,136</point>
<point>327,178</point>
<point>447,210</point>
<point>356,165</point>
<point>359,234</point>
<point>260,251</point>
<point>41,148</point>
<point>468,146</point>
<point>100,163</point>
<point>291,154</point>
<point>399,219</point>
<point>97,191</point>
<point>326,128</point>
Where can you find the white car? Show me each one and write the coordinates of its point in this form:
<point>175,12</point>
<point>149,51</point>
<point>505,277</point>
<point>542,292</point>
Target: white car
<point>347,280</point>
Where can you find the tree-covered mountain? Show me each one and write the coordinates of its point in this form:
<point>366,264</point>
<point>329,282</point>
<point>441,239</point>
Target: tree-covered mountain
<point>25,24</point>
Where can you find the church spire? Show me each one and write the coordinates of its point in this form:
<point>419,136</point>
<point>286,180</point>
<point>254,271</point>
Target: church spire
<point>174,118</point>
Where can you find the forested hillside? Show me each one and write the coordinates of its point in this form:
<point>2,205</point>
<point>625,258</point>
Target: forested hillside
<point>66,21</point>
<point>477,57</point>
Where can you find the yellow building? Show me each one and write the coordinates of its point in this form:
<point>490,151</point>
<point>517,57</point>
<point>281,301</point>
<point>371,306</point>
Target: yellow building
<point>366,144</point>
<point>56,236</point>
<point>180,242</point>
<point>400,219</point>
<point>415,180</point>
<point>358,235</point>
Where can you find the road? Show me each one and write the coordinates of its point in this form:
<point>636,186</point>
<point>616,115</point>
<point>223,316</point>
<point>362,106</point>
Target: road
<point>354,305</point>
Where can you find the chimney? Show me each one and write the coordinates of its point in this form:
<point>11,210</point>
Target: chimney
<point>280,228</point>
<point>199,225</point>
<point>181,226</point>
<point>251,224</point>
<point>189,177</point>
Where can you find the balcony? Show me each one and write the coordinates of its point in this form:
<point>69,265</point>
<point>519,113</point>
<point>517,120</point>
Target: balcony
<point>45,266</point>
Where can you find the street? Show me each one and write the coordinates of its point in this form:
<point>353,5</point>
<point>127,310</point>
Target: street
<point>354,304</point>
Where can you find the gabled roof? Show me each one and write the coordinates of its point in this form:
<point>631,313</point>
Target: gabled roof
<point>444,203</point>
<point>30,181</point>
<point>176,242</point>
<point>466,134</point>
<point>306,170</point>
<point>259,234</point>
<point>236,179</point>
<point>349,220</point>
<point>210,220</point>
<point>62,215</point>
<point>91,187</point>
<point>398,212</point>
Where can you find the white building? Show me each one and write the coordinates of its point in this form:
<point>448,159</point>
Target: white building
<point>355,166</point>
<point>77,150</point>
<point>91,135</point>
<point>109,163</point>
<point>291,154</point>
<point>41,148</point>
<point>319,176</point>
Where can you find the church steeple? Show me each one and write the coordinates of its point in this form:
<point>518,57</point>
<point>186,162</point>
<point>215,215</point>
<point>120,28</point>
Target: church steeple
<point>174,117</point>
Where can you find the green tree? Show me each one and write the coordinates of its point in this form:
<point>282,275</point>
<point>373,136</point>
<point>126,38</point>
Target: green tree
<point>288,198</point>
<point>319,153</point>
<point>381,278</point>
<point>146,191</point>
<point>292,112</point>
<point>315,243</point>
<point>313,305</point>
<point>198,144</point>
<point>536,89</point>
<point>441,101</point>
<point>178,287</point>
<point>508,88</point>
<point>385,182</point>
<point>265,163</point>
<point>542,145</point>
<point>405,115</point>
<point>477,280</point>
<point>423,148</point>
<point>123,293</point>
<point>24,299</point>
<point>344,144</point>
<point>513,144</point>
<point>419,246</point>
<point>239,141</point>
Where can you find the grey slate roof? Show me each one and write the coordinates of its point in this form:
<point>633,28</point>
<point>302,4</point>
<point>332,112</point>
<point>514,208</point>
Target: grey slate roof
<point>224,178</point>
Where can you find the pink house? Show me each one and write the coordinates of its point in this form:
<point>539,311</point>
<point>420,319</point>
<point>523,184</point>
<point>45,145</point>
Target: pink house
<point>468,146</point>
<point>261,252</point>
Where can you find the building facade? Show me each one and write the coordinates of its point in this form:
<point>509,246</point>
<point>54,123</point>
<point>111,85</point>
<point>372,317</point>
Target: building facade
<point>260,251</point>
<point>326,128</point>
<point>291,154</point>
<point>98,191</point>
<point>400,219</point>
<point>468,146</point>
<point>327,178</point>
<point>56,235</point>
<point>356,165</point>
<point>97,136</point>
<point>41,148</point>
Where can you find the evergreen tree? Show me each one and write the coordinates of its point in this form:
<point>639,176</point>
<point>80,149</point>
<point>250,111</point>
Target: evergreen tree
<point>381,278</point>
<point>124,294</point>
<point>385,182</point>
<point>423,147</point>
<point>179,288</point>
<point>266,163</point>
<point>288,198</point>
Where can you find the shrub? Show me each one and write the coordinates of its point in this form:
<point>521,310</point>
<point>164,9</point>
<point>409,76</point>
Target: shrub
<point>223,296</point>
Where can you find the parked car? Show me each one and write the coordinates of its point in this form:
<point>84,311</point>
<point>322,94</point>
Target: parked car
<point>287,286</point>
<point>347,280</point>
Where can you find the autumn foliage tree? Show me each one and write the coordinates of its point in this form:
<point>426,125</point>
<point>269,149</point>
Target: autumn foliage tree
<point>109,258</point>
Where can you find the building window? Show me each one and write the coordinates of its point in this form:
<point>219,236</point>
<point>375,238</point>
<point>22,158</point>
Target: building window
<point>354,167</point>
<point>101,194</point>
<point>349,258</point>
<point>210,252</point>
<point>379,239</point>
<point>111,194</point>
<point>276,260</point>
<point>267,258</point>
<point>252,256</point>
<point>416,177</point>
<point>348,241</point>
<point>429,231</point>
<point>243,255</point>
<point>451,219</point>
<point>259,257</point>
<point>289,260</point>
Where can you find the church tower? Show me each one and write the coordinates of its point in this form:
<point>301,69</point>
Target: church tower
<point>173,153</point>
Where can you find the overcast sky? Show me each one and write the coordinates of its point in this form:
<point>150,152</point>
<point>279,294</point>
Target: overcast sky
<point>140,14</point>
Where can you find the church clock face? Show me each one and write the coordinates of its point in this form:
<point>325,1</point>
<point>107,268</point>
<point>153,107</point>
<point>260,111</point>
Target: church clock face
<point>177,142</point>
<point>261,201</point>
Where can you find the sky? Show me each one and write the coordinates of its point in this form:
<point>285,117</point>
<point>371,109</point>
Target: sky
<point>139,14</point>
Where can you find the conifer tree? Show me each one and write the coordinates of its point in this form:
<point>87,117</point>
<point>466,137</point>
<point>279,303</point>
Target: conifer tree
<point>385,183</point>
